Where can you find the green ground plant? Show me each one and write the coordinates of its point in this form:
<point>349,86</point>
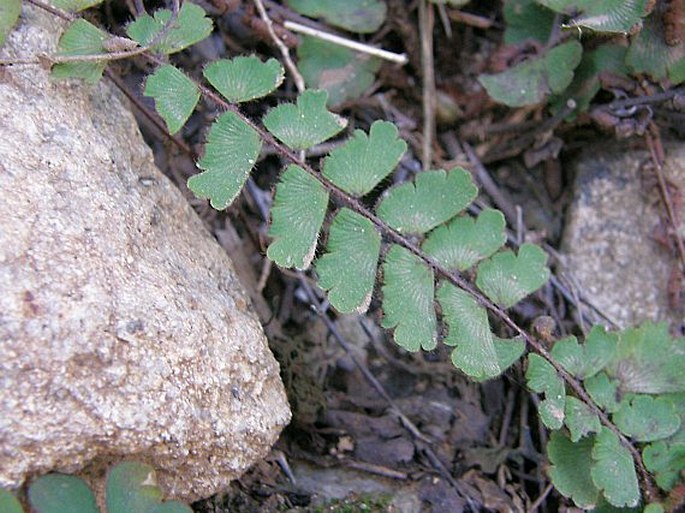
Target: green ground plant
<point>441,270</point>
<point>131,487</point>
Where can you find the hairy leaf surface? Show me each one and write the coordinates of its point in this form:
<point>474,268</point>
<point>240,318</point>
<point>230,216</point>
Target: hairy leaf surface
<point>306,124</point>
<point>344,73</point>
<point>580,419</point>
<point>175,95</point>
<point>408,300</point>
<point>464,241</point>
<point>431,199</point>
<point>244,78</point>
<point>363,16</point>
<point>506,279</point>
<point>646,418</point>
<point>59,493</point>
<point>613,471</point>
<point>543,378</point>
<point>9,14</point>
<point>363,161</point>
<point>348,269</point>
<point>479,353</point>
<point>605,16</point>
<point>586,360</point>
<point>230,153</point>
<point>297,214</point>
<point>533,80</point>
<point>81,38</point>
<point>570,470</point>
<point>191,26</point>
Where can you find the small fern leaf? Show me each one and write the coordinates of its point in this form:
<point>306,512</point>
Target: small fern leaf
<point>348,270</point>
<point>306,124</point>
<point>297,214</point>
<point>570,469</point>
<point>244,78</point>
<point>506,279</point>
<point>408,300</point>
<point>363,161</point>
<point>587,360</point>
<point>613,471</point>
<point>580,419</point>
<point>75,5</point>
<point>603,391</point>
<point>81,38</point>
<point>175,96</point>
<point>665,461</point>
<point>465,241</point>
<point>433,198</point>
<point>479,353</point>
<point>646,418</point>
<point>190,27</point>
<point>543,378</point>
<point>9,14</point>
<point>60,493</point>
<point>230,153</point>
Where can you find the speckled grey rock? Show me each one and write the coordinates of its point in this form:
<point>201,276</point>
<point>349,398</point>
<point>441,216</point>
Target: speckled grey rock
<point>124,332</point>
<point>609,240</point>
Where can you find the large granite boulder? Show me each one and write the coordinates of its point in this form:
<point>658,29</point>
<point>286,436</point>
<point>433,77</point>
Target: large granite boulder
<point>124,332</point>
<point>611,241</point>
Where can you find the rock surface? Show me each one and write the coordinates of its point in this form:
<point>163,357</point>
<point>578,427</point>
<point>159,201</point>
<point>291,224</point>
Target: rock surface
<point>610,239</point>
<point>124,332</point>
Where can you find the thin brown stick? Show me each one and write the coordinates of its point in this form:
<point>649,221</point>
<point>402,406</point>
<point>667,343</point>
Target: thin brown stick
<point>426,23</point>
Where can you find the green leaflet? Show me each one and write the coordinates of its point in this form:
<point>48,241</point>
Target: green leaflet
<point>580,419</point>
<point>306,124</point>
<point>526,19</point>
<point>296,217</point>
<point>74,5</point>
<point>506,279</point>
<point>81,38</point>
<point>613,471</point>
<point>9,503</point>
<point>354,15</point>
<point>59,493</point>
<point>431,199</point>
<point>408,300</point>
<point>570,470</point>
<point>649,361</point>
<point>479,353</point>
<point>464,241</point>
<point>344,73</point>
<point>666,461</point>
<point>9,14</point>
<point>132,487</point>
<point>348,269</point>
<point>533,80</point>
<point>586,360</point>
<point>244,78</point>
<point>543,378</point>
<point>646,419</point>
<point>175,95</point>
<point>363,161</point>
<point>605,16</point>
<point>230,153</point>
<point>190,27</point>
<point>603,391</point>
<point>649,53</point>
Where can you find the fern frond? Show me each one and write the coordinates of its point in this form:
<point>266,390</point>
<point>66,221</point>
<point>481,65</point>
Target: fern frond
<point>431,199</point>
<point>305,124</point>
<point>230,153</point>
<point>244,78</point>
<point>348,269</point>
<point>175,95</point>
<point>363,161</point>
<point>587,360</point>
<point>297,214</point>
